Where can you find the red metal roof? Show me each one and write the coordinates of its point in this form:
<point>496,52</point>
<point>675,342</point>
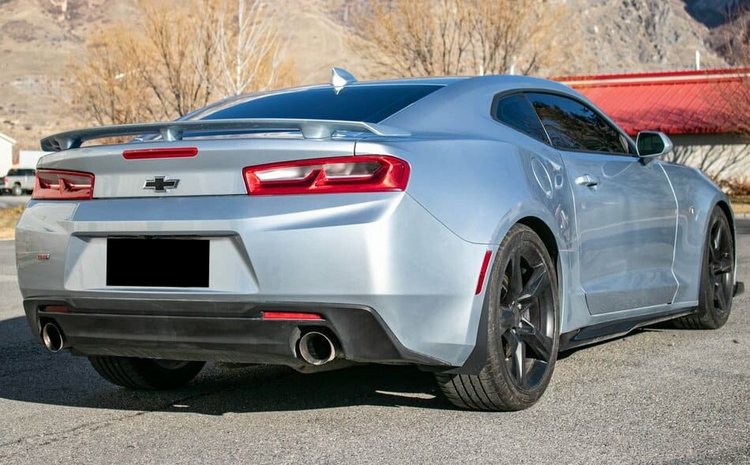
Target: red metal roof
<point>680,102</point>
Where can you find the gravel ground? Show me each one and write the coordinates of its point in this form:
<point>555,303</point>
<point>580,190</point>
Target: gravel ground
<point>656,396</point>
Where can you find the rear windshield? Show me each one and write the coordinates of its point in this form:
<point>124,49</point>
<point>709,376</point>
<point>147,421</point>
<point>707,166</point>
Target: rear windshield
<point>371,104</point>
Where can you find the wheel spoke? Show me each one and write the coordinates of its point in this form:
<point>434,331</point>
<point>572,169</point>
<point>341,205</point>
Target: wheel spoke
<point>534,283</point>
<point>540,344</point>
<point>517,359</point>
<point>716,238</point>
<point>720,297</point>
<point>516,277</point>
<point>512,341</point>
<point>721,265</point>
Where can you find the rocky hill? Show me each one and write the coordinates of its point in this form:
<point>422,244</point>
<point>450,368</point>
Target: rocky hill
<point>38,38</point>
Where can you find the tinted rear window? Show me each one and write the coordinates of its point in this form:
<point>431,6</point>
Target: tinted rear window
<point>516,112</point>
<point>372,104</point>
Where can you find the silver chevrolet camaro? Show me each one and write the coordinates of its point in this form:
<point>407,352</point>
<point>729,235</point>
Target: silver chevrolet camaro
<point>474,227</point>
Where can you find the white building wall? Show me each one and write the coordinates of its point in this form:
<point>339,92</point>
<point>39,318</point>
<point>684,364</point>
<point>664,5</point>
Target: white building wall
<point>6,154</point>
<point>29,158</point>
<point>718,155</point>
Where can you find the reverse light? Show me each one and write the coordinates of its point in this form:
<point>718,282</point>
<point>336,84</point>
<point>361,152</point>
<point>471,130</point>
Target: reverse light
<point>63,185</point>
<point>368,173</point>
<point>291,316</point>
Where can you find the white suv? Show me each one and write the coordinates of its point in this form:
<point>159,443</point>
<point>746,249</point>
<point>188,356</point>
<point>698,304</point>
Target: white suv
<point>19,180</point>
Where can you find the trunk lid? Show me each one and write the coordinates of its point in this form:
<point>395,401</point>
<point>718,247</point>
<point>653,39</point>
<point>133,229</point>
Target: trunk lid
<point>216,168</point>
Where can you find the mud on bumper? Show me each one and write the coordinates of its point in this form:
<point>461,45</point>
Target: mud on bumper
<point>216,331</point>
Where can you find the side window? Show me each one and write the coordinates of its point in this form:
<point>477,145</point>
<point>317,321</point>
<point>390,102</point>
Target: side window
<point>574,126</point>
<point>516,112</point>
<point>12,172</point>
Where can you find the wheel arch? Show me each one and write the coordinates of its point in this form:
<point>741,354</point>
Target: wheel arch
<point>730,217</point>
<point>476,359</point>
<point>545,234</point>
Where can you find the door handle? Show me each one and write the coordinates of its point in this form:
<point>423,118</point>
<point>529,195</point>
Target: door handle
<point>587,180</point>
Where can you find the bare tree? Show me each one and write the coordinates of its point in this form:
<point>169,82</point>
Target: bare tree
<point>174,61</point>
<point>250,54</point>
<point>99,87</point>
<point>454,37</point>
<point>166,54</point>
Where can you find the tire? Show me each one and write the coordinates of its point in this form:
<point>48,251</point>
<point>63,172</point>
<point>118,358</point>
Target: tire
<point>145,374</point>
<point>502,384</point>
<point>16,190</point>
<point>717,277</point>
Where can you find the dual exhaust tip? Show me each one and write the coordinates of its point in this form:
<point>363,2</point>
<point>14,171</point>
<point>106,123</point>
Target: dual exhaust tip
<point>53,337</point>
<point>317,348</point>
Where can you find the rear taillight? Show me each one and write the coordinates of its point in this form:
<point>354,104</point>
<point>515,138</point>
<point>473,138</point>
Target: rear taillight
<point>63,185</point>
<point>368,173</point>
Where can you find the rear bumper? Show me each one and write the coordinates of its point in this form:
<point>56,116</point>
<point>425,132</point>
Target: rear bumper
<point>219,332</point>
<point>381,252</point>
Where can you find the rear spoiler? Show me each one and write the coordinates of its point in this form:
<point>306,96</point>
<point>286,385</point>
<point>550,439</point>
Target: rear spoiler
<point>173,130</point>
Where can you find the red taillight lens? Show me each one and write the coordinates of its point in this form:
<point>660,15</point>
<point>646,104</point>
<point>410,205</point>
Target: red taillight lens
<point>63,185</point>
<point>146,154</point>
<point>368,173</point>
<point>56,309</point>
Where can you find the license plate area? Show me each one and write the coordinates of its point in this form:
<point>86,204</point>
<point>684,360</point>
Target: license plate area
<point>158,262</point>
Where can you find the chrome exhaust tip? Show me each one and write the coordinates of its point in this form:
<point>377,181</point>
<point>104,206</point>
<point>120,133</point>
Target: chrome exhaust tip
<point>316,348</point>
<point>53,338</point>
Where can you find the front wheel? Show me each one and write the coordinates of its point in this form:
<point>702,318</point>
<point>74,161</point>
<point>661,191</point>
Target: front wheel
<point>523,333</point>
<point>17,190</point>
<point>146,374</point>
<point>717,277</point>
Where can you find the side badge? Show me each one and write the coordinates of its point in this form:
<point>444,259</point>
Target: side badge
<point>42,256</point>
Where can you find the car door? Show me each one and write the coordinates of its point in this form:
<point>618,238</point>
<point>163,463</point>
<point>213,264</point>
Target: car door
<point>26,179</point>
<point>625,210</point>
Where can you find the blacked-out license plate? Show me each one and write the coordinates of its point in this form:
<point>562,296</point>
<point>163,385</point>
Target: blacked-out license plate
<point>155,262</point>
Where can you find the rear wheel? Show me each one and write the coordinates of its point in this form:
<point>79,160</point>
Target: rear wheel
<point>717,277</point>
<point>142,373</point>
<point>523,330</point>
<point>16,190</point>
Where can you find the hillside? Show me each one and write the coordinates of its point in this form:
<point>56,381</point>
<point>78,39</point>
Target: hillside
<point>39,37</point>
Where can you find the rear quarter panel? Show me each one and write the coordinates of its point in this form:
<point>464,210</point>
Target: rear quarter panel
<point>480,188</point>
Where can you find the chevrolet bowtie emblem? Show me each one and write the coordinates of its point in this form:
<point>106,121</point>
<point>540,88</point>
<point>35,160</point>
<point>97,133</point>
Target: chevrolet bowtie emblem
<point>161,184</point>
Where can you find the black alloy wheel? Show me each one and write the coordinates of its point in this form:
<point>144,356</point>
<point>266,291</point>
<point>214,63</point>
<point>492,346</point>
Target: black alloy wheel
<point>717,277</point>
<point>528,317</point>
<point>523,329</point>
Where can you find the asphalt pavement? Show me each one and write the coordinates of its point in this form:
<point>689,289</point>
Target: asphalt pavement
<point>7,200</point>
<point>655,396</point>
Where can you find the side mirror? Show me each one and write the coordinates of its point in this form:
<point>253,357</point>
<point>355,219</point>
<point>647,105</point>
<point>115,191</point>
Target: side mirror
<point>652,145</point>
